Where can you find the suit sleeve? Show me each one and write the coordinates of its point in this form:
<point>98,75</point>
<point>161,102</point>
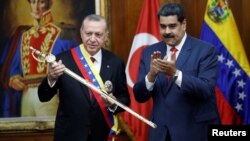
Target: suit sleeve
<point>202,84</point>
<point>45,92</point>
<point>140,90</point>
<point>121,90</point>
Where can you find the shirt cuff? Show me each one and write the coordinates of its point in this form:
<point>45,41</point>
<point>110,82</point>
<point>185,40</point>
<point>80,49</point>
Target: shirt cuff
<point>178,78</point>
<point>149,85</point>
<point>51,84</point>
<point>112,108</point>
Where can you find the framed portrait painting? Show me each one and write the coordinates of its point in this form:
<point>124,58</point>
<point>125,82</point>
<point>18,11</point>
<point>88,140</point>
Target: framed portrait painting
<point>43,24</point>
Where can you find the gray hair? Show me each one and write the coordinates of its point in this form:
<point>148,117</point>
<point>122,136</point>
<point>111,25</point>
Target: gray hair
<point>94,17</point>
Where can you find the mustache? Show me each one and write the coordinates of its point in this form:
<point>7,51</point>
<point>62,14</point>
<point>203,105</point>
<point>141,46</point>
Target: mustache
<point>168,36</point>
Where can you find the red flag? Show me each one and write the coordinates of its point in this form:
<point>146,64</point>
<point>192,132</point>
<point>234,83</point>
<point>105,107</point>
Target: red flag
<point>147,33</point>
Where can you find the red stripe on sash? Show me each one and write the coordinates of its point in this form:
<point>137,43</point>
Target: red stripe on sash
<point>87,77</point>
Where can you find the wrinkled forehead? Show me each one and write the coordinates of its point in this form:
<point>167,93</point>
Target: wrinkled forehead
<point>97,25</point>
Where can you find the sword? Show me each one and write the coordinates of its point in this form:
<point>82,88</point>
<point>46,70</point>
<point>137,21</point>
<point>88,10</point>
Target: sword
<point>52,59</point>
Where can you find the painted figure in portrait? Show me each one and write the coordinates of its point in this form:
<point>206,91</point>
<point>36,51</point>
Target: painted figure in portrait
<point>46,25</point>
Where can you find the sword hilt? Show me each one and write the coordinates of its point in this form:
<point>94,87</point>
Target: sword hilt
<point>48,58</point>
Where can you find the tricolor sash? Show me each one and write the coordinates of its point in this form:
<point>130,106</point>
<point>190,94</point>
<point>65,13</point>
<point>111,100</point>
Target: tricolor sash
<point>89,72</point>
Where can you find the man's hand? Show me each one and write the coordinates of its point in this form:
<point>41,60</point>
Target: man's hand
<point>107,102</point>
<point>16,82</point>
<point>110,104</point>
<point>154,66</point>
<point>167,67</point>
<point>55,70</point>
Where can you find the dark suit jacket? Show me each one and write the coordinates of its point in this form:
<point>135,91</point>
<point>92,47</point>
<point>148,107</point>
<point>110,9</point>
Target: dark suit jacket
<point>77,116</point>
<point>182,112</point>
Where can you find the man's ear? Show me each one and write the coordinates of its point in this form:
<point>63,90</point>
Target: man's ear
<point>184,24</point>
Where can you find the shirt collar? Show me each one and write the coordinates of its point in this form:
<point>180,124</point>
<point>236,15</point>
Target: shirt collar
<point>179,46</point>
<point>98,56</point>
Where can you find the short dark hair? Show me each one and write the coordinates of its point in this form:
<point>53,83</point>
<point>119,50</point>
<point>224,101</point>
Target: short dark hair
<point>171,9</point>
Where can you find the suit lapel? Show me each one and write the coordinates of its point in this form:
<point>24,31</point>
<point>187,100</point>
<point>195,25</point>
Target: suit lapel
<point>184,54</point>
<point>106,69</point>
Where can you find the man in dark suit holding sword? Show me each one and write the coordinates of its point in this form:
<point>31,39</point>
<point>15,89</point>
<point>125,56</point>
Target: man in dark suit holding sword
<point>82,114</point>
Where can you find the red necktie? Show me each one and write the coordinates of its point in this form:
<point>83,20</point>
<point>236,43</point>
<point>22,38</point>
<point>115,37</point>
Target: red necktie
<point>92,59</point>
<point>173,58</point>
<point>173,53</point>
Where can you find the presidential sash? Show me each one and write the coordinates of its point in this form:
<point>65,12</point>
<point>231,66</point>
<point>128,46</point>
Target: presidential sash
<point>88,71</point>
